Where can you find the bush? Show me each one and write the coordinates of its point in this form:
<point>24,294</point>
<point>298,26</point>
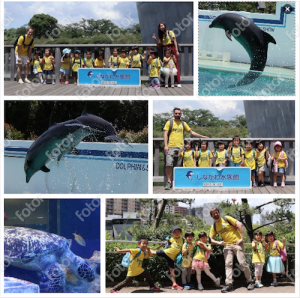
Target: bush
<point>134,137</point>
<point>10,133</point>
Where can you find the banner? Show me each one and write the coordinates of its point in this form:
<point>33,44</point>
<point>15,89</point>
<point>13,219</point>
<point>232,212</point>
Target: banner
<point>109,77</point>
<point>228,177</point>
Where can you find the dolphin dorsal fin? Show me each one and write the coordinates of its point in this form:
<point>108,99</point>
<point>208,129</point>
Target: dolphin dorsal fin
<point>268,37</point>
<point>51,122</point>
<point>84,112</point>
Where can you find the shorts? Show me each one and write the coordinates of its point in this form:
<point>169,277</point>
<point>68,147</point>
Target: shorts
<point>64,71</point>
<point>280,170</point>
<point>48,72</point>
<point>233,164</point>
<point>172,153</point>
<point>253,172</point>
<point>36,72</point>
<point>162,254</point>
<point>262,168</point>
<point>74,74</point>
<point>23,60</point>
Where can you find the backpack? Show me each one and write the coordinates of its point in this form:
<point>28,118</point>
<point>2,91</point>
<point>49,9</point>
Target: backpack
<point>197,159</point>
<point>225,219</point>
<point>126,259</point>
<point>178,46</point>
<point>282,252</point>
<point>197,249</point>
<point>76,62</point>
<point>25,45</point>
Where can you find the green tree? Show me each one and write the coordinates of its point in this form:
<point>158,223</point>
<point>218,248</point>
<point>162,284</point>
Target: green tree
<point>42,24</point>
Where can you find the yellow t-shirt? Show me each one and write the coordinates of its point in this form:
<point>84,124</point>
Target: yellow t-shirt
<point>136,60</point>
<point>167,65</point>
<point>188,159</point>
<point>221,156</point>
<point>273,250</point>
<point>36,64</point>
<point>135,268</point>
<point>167,38</point>
<point>176,135</point>
<point>236,154</point>
<point>99,63</point>
<point>65,63</point>
<point>261,158</point>
<point>88,62</point>
<point>77,63</point>
<point>258,255</point>
<point>281,163</point>
<point>228,232</point>
<point>200,255</point>
<point>154,67</point>
<point>175,247</point>
<point>123,62</point>
<point>250,159</point>
<point>187,258</point>
<point>113,61</point>
<point>47,65</point>
<point>24,49</point>
<point>204,158</point>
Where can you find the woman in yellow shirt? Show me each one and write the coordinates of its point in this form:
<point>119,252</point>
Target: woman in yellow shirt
<point>200,262</point>
<point>274,265</point>
<point>167,38</point>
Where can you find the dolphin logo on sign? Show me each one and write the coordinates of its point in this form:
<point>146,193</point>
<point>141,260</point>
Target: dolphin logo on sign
<point>89,74</point>
<point>189,175</point>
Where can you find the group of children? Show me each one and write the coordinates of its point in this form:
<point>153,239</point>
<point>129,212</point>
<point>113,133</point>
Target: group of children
<point>257,159</point>
<point>195,255</point>
<point>43,68</point>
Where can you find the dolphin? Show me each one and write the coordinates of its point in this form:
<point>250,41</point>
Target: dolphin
<point>89,74</point>
<point>62,138</point>
<point>254,40</point>
<point>189,175</point>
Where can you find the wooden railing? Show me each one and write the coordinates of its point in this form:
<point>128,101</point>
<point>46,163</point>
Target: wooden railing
<point>288,147</point>
<point>185,60</point>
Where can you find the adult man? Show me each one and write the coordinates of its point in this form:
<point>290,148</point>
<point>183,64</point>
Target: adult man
<point>173,139</point>
<point>232,233</point>
<point>23,53</point>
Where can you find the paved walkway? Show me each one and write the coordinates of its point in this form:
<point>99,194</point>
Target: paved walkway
<point>284,287</point>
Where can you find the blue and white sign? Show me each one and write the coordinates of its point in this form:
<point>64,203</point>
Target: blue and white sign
<point>109,77</point>
<point>228,177</point>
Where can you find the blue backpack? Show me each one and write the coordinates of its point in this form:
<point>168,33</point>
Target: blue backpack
<point>126,259</point>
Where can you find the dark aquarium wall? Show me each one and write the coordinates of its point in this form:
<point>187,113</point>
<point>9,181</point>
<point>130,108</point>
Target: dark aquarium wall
<point>151,13</point>
<point>270,118</point>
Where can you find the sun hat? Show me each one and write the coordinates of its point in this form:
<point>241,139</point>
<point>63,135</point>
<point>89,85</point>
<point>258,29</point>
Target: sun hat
<point>176,228</point>
<point>277,143</point>
<point>221,142</point>
<point>78,51</point>
<point>66,51</point>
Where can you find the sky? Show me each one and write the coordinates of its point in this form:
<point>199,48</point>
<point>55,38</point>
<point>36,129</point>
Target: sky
<point>224,109</point>
<point>18,14</point>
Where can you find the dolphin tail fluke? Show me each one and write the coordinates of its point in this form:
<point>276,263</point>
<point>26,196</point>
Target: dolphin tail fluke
<point>115,138</point>
<point>249,78</point>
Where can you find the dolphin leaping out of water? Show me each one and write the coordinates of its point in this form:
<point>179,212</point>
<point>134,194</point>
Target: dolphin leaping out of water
<point>62,138</point>
<point>254,40</point>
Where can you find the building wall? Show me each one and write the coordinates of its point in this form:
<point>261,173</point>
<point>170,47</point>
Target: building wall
<point>119,206</point>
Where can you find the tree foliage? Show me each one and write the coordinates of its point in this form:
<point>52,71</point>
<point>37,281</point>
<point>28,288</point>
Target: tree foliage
<point>42,24</point>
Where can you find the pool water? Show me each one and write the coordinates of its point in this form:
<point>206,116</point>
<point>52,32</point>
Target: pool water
<point>217,82</point>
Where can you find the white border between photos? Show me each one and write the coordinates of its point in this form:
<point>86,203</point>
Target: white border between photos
<point>150,179</point>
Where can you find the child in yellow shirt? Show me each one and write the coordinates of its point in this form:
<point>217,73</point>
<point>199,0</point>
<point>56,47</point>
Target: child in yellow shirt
<point>135,268</point>
<point>154,65</point>
<point>200,262</point>
<point>186,266</point>
<point>170,69</point>
<point>136,58</point>
<point>279,159</point>
<point>236,152</point>
<point>250,161</point>
<point>77,63</point>
<point>88,61</point>
<point>203,158</point>
<point>114,59</point>
<point>187,154</point>
<point>258,256</point>
<point>36,63</point>
<point>48,62</point>
<point>262,155</point>
<point>99,61</point>
<point>65,66</point>
<point>123,61</point>
<point>220,155</point>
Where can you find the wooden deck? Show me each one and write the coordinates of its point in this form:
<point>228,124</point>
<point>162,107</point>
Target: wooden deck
<point>289,189</point>
<point>12,88</point>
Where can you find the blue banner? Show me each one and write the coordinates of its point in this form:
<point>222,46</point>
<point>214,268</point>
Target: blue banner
<point>227,177</point>
<point>129,77</point>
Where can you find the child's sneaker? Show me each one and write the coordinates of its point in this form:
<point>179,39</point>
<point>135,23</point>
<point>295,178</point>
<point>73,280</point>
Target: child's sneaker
<point>66,82</point>
<point>186,287</point>
<point>260,285</point>
<point>156,87</point>
<point>177,287</point>
<point>53,83</point>
<point>172,86</point>
<point>154,288</point>
<point>218,282</point>
<point>45,82</point>
<point>254,184</point>
<point>166,86</point>
<point>262,184</point>
<point>282,184</point>
<point>256,285</point>
<point>274,283</point>
<point>113,291</point>
<point>200,287</point>
<point>191,286</point>
<point>62,81</point>
<point>275,184</point>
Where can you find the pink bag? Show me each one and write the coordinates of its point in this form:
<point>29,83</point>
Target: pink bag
<point>282,252</point>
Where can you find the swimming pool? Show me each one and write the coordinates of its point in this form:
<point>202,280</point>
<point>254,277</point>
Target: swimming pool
<point>216,81</point>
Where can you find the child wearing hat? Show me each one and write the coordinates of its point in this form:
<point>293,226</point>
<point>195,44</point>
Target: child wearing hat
<point>136,58</point>
<point>279,159</point>
<point>220,155</point>
<point>77,62</point>
<point>154,65</point>
<point>170,253</point>
<point>65,66</point>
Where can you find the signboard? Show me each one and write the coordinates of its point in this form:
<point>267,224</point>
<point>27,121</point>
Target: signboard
<point>109,77</point>
<point>228,177</point>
